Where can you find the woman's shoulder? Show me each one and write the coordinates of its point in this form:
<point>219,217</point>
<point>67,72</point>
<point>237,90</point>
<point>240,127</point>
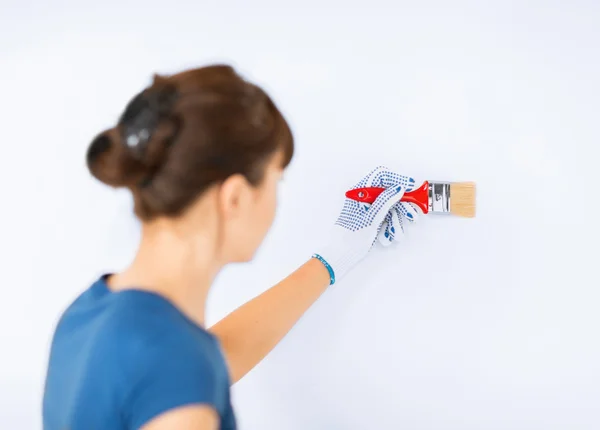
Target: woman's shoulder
<point>150,324</point>
<point>136,350</point>
<point>167,360</point>
<point>146,323</point>
<point>134,323</point>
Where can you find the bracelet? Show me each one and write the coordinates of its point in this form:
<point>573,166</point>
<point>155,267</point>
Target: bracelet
<point>328,267</point>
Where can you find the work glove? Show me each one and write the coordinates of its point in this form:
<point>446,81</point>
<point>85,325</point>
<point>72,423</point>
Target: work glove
<point>360,225</point>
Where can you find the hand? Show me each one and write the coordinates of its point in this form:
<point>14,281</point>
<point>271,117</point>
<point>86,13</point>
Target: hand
<point>360,225</point>
<point>393,226</point>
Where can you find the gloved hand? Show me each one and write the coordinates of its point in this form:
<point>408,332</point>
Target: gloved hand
<point>360,224</point>
<point>393,227</point>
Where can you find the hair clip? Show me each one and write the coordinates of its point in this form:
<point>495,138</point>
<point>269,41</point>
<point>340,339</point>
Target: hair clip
<point>142,115</point>
<point>134,140</point>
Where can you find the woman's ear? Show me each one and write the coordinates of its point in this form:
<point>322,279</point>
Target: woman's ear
<point>233,196</point>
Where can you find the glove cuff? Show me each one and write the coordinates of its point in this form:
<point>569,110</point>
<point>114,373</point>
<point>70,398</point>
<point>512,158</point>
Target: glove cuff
<point>337,261</point>
<point>328,267</point>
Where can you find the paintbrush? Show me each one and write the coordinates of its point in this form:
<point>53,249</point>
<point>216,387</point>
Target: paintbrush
<point>456,198</point>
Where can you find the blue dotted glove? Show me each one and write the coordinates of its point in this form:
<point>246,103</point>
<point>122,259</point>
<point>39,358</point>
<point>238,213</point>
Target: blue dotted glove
<point>360,224</point>
<point>393,226</point>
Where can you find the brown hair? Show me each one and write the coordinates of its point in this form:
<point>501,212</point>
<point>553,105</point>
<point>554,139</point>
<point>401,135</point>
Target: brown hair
<point>187,132</point>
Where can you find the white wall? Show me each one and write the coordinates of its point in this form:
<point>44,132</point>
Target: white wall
<point>489,323</point>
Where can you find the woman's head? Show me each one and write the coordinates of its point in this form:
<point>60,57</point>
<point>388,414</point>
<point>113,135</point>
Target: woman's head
<point>198,145</point>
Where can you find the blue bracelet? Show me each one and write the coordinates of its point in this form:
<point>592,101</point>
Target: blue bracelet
<point>328,267</point>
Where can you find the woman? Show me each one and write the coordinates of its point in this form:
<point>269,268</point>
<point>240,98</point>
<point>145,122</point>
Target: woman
<point>202,153</point>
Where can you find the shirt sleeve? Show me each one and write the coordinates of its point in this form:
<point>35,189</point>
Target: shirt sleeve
<point>172,374</point>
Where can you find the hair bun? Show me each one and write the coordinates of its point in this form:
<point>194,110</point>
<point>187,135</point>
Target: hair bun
<point>129,154</point>
<point>110,161</point>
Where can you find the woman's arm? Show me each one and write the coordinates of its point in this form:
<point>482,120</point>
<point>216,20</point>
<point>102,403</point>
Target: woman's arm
<point>250,332</point>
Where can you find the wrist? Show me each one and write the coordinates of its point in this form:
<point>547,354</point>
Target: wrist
<point>325,265</point>
<point>344,250</point>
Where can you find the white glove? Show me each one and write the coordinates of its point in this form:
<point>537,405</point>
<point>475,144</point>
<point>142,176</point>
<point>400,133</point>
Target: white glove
<point>360,224</point>
<point>393,226</point>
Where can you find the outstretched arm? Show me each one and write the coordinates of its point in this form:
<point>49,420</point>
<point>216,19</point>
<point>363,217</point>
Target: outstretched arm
<point>250,332</point>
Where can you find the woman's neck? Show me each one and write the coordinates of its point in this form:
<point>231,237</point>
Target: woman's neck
<point>168,263</point>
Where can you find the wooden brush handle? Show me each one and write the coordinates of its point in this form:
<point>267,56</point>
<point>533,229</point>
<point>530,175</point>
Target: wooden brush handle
<point>419,197</point>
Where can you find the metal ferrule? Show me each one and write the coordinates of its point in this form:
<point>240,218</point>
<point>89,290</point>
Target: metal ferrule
<point>439,197</point>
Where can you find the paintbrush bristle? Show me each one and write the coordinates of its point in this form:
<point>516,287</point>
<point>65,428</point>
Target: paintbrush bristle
<point>462,199</point>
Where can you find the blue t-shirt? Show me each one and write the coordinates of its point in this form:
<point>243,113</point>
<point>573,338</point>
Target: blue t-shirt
<point>119,359</point>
